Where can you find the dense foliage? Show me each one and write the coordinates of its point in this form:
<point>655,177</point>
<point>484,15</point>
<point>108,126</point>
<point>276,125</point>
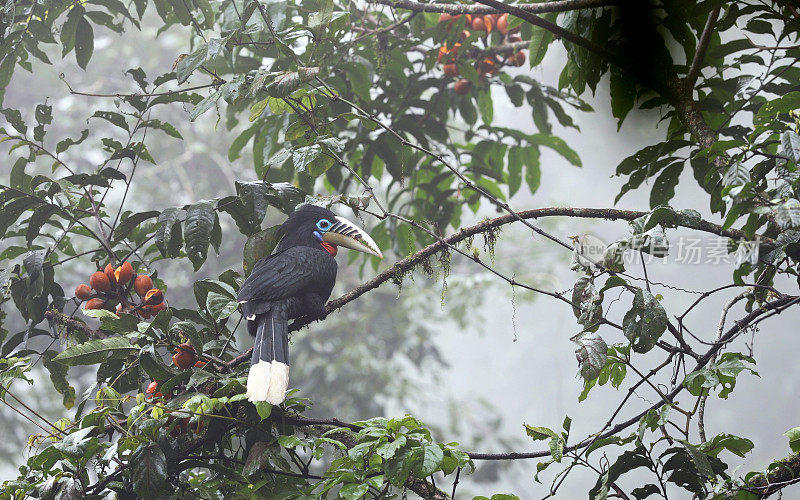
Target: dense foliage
<point>356,104</point>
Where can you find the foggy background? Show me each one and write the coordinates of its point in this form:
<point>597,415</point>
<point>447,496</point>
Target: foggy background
<point>492,358</point>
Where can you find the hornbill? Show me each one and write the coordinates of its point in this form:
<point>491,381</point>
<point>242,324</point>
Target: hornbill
<point>296,280</point>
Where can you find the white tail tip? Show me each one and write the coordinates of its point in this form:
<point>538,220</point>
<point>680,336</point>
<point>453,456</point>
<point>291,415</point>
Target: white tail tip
<point>258,382</point>
<point>278,382</point>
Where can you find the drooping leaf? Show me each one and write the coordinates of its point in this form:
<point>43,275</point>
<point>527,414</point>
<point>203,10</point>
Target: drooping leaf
<point>84,42</point>
<point>220,306</point>
<point>260,245</point>
<point>199,223</point>
<point>149,471</point>
<point>592,352</point>
<point>645,322</point>
<point>169,235</point>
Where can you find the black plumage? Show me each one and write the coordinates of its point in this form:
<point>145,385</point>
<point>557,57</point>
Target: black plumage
<point>294,281</point>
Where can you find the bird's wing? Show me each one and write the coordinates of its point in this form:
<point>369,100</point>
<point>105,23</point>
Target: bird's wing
<point>285,274</point>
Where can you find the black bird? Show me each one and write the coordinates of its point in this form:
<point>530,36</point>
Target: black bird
<point>296,280</point>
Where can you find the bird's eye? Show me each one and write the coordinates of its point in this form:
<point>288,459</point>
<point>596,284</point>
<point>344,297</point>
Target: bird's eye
<point>323,225</point>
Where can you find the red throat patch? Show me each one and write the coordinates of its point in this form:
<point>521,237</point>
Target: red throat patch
<point>332,249</point>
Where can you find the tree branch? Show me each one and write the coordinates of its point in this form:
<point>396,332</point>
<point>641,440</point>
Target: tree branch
<point>535,8</point>
<point>73,324</point>
<point>403,266</point>
<point>778,478</point>
<point>700,52</point>
<point>555,29</point>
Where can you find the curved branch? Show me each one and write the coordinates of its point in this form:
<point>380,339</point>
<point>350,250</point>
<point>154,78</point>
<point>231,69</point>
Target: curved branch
<point>407,264</point>
<point>535,8</point>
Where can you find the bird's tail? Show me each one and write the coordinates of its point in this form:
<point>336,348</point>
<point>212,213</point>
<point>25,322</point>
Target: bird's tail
<point>269,366</point>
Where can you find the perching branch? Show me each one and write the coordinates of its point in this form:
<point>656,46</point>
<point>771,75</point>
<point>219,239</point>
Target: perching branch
<point>535,8</point>
<point>407,264</point>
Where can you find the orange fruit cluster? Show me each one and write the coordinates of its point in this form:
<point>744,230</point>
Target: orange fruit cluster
<point>117,286</point>
<point>488,65</point>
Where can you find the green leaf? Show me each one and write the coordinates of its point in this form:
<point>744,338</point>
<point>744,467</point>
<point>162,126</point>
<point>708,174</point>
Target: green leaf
<point>790,143</point>
<point>260,245</point>
<point>289,81</point>
<point>644,324</point>
<point>794,439</point>
<point>623,95</point>
<point>78,443</point>
<point>263,408</point>
<point>663,189</point>
<point>205,105</point>
<point>737,445</point>
<point>220,306</point>
<point>94,351</point>
<point>533,174</point>
<point>430,460</point>
<point>199,223</point>
<point>737,175</point>
<point>58,376</point>
<point>115,118</point>
<point>67,143</point>
<point>558,145</point>
<point>258,456</point>
<point>186,66</point>
<point>40,216</point>
<point>486,107</point>
<point>389,449</point>
<point>515,164</point>
<point>169,235</point>
<point>14,117</point>
<point>303,156</point>
<point>149,471</point>
<point>628,461</point>
<point>290,441</point>
<point>131,222</point>
<point>68,29</point>
<point>358,76</point>
<point>784,104</point>
<point>153,365</point>
<point>398,468</point>
<point>540,41</point>
<point>592,353</point>
<point>322,16</point>
<point>84,42</point>
<point>253,196</point>
<point>353,491</point>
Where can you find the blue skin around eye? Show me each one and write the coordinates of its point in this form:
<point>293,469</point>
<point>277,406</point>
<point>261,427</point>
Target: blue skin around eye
<point>323,225</point>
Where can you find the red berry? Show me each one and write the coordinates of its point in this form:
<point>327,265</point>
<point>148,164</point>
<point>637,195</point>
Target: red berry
<point>153,297</point>
<point>142,284</point>
<point>123,273</point>
<point>99,281</point>
<point>83,292</point>
<point>94,304</point>
<point>462,87</point>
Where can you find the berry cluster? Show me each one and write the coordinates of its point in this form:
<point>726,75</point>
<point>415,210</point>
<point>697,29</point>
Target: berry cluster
<point>488,65</point>
<point>116,286</point>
